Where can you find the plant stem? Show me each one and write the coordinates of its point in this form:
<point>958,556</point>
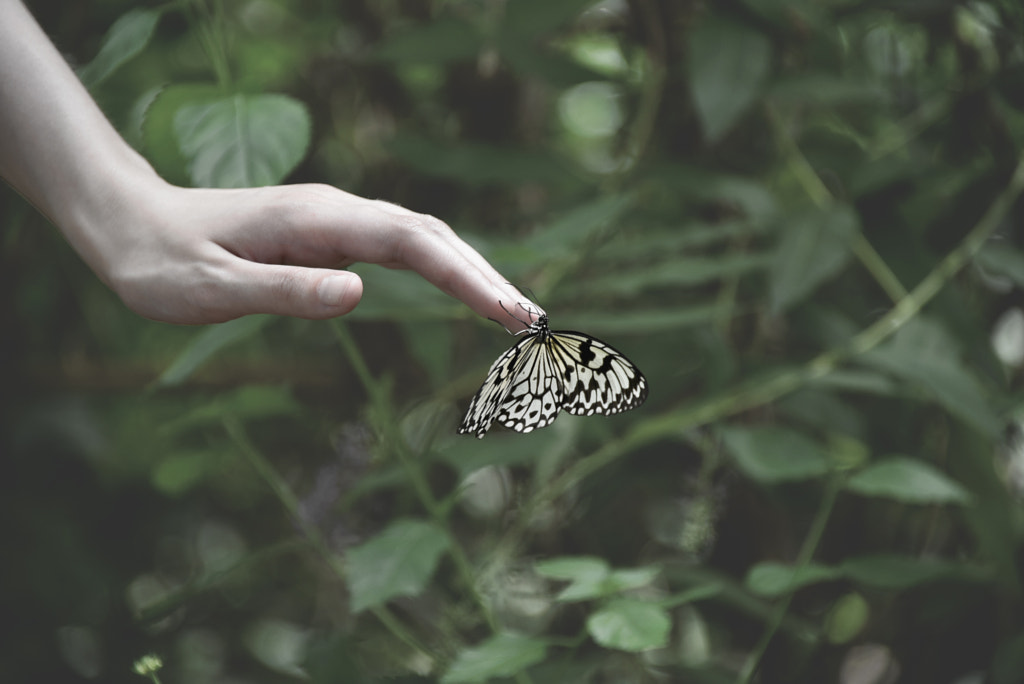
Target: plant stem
<point>389,424</point>
<point>290,502</point>
<point>822,198</point>
<point>807,550</point>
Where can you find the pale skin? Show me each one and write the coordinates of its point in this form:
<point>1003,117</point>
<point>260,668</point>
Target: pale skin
<point>188,255</point>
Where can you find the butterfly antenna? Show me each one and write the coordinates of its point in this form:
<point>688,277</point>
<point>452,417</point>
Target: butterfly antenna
<point>494,320</point>
<point>526,323</point>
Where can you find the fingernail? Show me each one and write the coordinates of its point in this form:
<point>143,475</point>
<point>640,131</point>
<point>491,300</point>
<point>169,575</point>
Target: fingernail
<point>332,290</point>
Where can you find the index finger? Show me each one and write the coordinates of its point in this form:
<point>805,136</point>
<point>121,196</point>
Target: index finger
<point>387,234</point>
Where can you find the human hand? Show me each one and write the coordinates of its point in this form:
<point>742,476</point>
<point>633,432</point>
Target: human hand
<point>203,255</point>
<point>184,255</point>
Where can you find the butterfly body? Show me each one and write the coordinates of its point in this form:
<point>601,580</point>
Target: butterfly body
<point>552,370</point>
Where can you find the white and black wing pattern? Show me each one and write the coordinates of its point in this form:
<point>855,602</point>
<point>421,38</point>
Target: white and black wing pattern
<point>546,372</point>
<point>597,378</point>
<point>536,393</point>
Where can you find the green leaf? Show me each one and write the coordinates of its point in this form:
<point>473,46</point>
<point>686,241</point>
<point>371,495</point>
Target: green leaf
<point>574,229</point>
<point>909,481</point>
<point>532,61</point>
<point>125,39</point>
<point>813,248</point>
<point>729,65</point>
<point>925,354</point>
<point>476,164</point>
<point>503,655</point>
<point>242,140</point>
<point>750,199</point>
<point>774,454</point>
<point>158,136</point>
<point>847,618</point>
<point>1002,259</point>
<point>901,572</point>
<point>592,578</point>
<point>777,579</point>
<point>584,568</point>
<point>630,625</point>
<point>181,471</point>
<point>397,562</point>
<point>208,343</point>
<point>677,273</point>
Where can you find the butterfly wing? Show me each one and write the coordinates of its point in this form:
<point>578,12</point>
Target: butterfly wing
<point>536,392</point>
<point>596,377</point>
<point>545,372</point>
<point>496,388</point>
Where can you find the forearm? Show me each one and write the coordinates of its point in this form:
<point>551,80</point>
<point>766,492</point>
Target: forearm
<point>57,148</point>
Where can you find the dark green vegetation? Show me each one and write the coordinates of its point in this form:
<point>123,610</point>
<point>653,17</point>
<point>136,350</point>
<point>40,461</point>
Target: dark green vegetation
<point>799,219</point>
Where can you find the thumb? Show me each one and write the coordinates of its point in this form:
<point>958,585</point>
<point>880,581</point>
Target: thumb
<point>296,291</point>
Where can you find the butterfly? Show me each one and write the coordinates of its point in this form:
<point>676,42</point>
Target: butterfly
<point>552,370</point>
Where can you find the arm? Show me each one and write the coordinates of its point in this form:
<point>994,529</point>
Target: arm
<point>192,255</point>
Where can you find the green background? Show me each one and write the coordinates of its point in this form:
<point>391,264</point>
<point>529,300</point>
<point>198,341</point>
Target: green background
<point>799,219</point>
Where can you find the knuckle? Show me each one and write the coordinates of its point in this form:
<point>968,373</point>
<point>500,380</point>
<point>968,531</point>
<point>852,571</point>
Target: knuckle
<point>204,294</point>
<point>413,234</point>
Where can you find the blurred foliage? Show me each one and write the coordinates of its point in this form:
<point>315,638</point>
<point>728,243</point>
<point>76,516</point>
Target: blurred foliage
<point>800,219</point>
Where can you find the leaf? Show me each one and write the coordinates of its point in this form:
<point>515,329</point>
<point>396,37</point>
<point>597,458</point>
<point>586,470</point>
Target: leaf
<point>677,273</point>
<point>158,135</point>
<point>530,60</point>
<point>630,625</point>
<point>774,454</point>
<point>729,65</point>
<point>207,344</point>
<point>639,322</point>
<point>503,655</point>
<point>777,579</point>
<point>1002,259</point>
<point>847,618</point>
<point>584,568</point>
<point>813,248</point>
<point>125,39</point>
<point>242,140</point>
<point>592,578</point>
<point>182,471</point>
<point>751,198</point>
<point>909,481</point>
<point>477,164</point>
<point>901,572</point>
<point>575,228</point>
<point>397,562</point>
<point>925,354</point>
